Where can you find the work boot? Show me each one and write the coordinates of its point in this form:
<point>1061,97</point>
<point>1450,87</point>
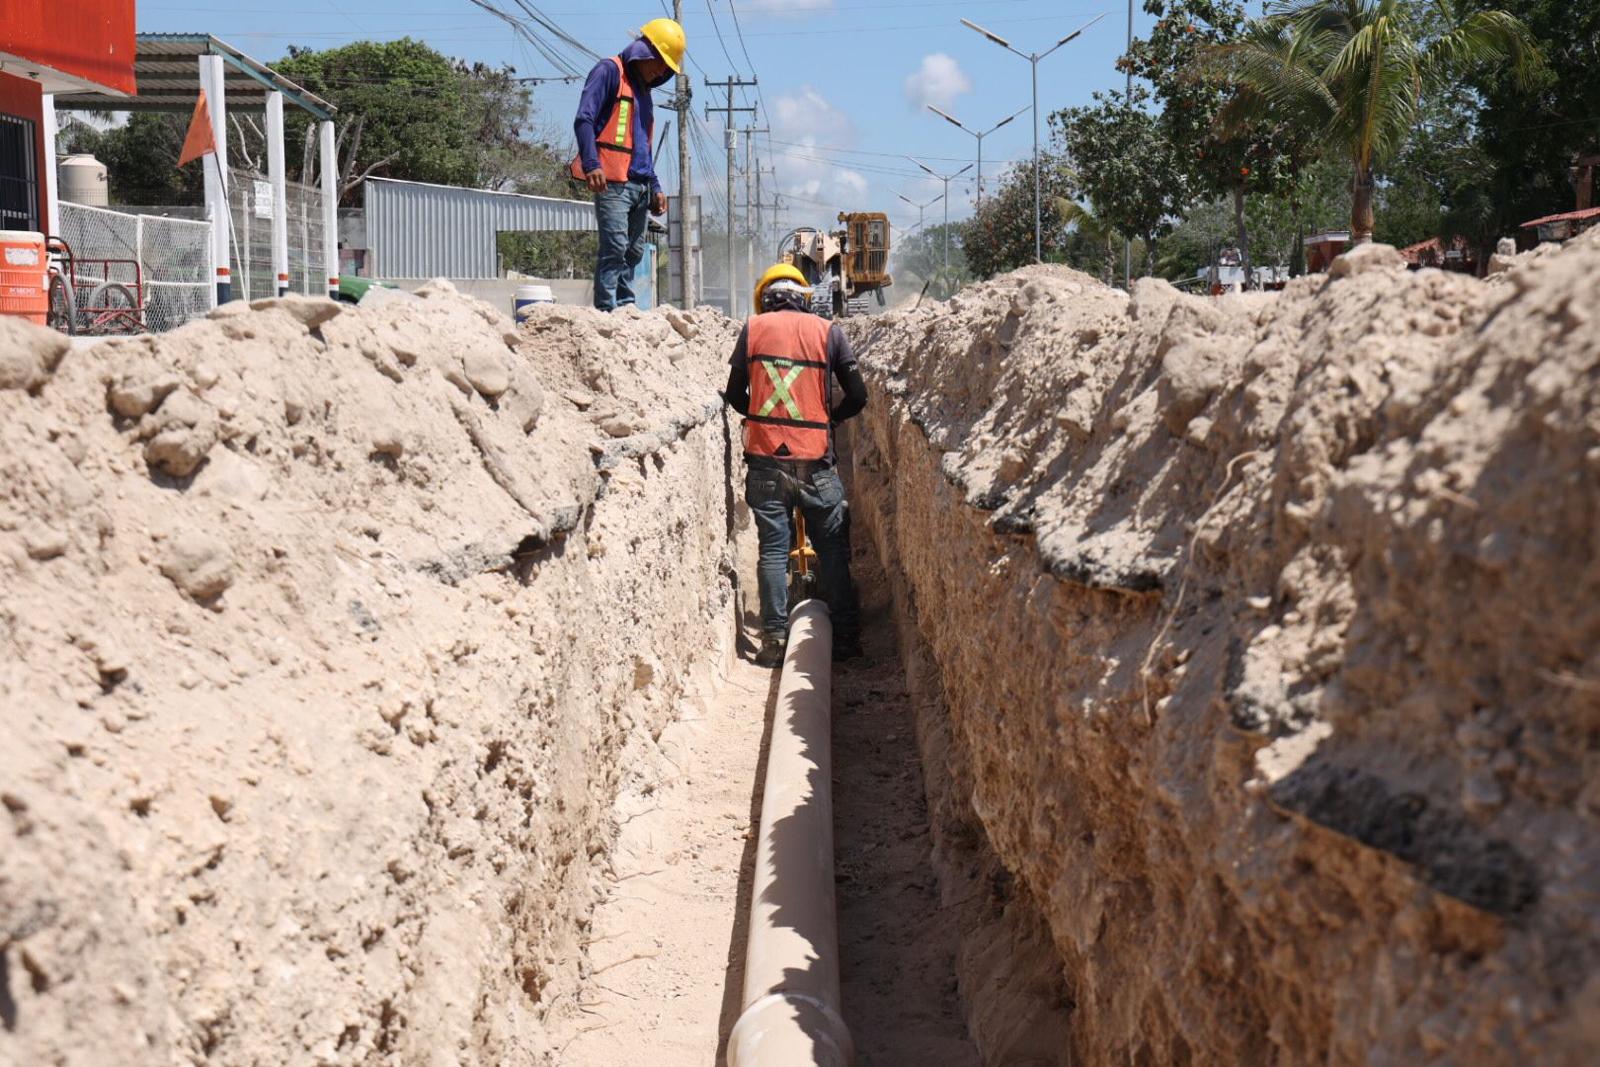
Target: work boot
<point>771,654</point>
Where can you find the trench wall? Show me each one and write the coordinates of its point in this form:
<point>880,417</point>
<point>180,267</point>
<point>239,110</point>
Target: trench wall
<point>329,637</point>
<point>1257,647</point>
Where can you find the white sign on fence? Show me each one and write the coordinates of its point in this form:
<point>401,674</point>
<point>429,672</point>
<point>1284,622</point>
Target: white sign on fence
<point>263,199</point>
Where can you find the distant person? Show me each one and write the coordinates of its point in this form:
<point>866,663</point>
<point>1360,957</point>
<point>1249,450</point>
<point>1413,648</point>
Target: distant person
<point>782,381</point>
<point>615,124</point>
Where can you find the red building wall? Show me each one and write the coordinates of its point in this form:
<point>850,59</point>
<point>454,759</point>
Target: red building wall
<point>90,39</point>
<point>21,97</point>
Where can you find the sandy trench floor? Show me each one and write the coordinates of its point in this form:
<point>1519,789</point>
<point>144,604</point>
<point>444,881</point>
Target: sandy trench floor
<point>668,942</point>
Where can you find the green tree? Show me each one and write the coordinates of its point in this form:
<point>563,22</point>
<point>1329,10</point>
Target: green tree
<point>1091,241</point>
<point>1259,154</point>
<point>1530,130</point>
<point>919,258</point>
<point>141,158</point>
<point>1356,71</point>
<point>1125,165</point>
<point>999,237</point>
<point>407,111</point>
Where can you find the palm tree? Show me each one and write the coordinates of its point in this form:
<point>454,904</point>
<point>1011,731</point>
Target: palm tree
<point>1095,230</point>
<point>1357,70</point>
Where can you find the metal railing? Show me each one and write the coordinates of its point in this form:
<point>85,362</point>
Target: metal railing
<point>163,263</point>
<point>251,209</point>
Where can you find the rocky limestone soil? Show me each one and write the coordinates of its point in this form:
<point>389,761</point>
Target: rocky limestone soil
<point>329,637</point>
<point>1261,647</point>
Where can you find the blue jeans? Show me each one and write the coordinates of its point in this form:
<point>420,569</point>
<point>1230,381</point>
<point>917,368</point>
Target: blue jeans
<point>622,212</point>
<point>819,494</point>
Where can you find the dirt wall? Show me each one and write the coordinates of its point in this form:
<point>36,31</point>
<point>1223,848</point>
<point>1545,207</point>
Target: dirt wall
<point>1264,644</point>
<point>329,637</point>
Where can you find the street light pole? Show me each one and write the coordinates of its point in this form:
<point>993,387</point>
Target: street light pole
<point>980,136</point>
<point>1038,212</point>
<point>920,207</point>
<point>947,179</point>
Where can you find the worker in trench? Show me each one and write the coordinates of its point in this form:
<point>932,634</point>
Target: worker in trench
<point>785,366</point>
<point>615,125</point>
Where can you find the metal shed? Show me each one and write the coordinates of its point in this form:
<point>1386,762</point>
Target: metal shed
<point>418,230</point>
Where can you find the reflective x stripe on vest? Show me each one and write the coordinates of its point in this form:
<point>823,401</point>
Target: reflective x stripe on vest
<point>780,387</point>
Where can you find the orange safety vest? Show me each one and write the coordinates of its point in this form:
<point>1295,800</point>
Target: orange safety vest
<point>788,417</point>
<point>615,141</point>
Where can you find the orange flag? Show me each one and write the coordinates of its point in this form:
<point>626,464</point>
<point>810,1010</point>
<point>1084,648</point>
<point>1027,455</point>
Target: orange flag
<point>201,138</point>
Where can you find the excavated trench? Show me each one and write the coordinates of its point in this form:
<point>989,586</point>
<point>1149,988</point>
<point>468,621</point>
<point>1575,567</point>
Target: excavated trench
<point>378,681</point>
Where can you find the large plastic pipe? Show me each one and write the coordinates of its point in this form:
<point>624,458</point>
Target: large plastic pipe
<point>791,970</point>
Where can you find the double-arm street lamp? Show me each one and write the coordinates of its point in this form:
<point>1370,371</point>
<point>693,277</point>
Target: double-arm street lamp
<point>920,207</point>
<point>980,136</point>
<point>947,179</point>
<point>1038,235</point>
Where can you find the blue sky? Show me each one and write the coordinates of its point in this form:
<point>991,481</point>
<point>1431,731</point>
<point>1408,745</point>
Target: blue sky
<point>843,83</point>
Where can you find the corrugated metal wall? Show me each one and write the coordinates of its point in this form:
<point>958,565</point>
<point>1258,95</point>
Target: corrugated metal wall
<point>415,230</point>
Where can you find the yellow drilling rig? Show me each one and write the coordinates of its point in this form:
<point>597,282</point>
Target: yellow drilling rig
<point>842,265</point>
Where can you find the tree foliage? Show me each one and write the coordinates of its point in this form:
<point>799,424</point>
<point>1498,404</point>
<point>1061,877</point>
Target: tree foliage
<point>141,158</point>
<point>1222,153</point>
<point>919,259</point>
<point>1124,164</point>
<point>999,237</point>
<point>1530,130</point>
<point>1357,71</point>
<point>407,111</point>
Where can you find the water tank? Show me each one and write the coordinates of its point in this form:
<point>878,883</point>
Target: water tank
<point>83,181</point>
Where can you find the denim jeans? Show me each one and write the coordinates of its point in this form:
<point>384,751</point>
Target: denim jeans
<point>622,212</point>
<point>819,494</point>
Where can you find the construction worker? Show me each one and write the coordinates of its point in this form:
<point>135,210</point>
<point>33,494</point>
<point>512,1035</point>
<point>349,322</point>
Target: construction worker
<point>615,123</point>
<point>782,381</point>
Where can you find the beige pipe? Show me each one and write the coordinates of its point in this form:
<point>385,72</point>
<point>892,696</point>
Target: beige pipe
<point>791,969</point>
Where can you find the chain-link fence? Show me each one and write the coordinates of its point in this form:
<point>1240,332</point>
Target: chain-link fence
<point>132,272</point>
<point>251,208</point>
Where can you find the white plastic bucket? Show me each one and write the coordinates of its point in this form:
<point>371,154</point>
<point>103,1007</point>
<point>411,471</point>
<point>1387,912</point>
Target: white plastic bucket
<point>529,295</point>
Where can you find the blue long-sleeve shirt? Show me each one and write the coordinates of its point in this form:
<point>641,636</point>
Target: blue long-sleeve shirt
<point>594,110</point>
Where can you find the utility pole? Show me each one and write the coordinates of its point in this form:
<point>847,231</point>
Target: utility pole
<point>685,179</point>
<point>769,230</point>
<point>752,196</point>
<point>728,141</point>
<point>1038,199</point>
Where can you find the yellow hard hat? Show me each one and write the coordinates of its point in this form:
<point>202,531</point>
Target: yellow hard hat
<point>667,37</point>
<point>777,272</point>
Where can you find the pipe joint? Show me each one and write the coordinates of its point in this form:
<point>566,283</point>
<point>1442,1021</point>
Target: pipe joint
<point>785,1027</point>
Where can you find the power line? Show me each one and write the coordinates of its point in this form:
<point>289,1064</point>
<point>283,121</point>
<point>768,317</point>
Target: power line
<point>726,54</point>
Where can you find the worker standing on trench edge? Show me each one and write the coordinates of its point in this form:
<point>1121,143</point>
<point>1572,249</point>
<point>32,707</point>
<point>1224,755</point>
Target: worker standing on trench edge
<point>781,379</point>
<point>614,125</point>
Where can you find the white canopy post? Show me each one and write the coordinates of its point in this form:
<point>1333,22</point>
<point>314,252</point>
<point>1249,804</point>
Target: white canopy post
<point>330,208</point>
<point>52,222</point>
<point>280,192</point>
<point>211,83</point>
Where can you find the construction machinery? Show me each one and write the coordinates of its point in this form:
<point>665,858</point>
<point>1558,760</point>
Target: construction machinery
<point>842,265</point>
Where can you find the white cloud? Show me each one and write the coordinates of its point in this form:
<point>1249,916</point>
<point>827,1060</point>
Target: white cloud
<point>809,130</point>
<point>938,81</point>
<point>807,113</point>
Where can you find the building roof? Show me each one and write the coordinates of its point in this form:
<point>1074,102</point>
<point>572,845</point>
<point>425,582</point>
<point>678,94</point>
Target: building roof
<point>166,68</point>
<point>1327,237</point>
<point>1434,248</point>
<point>1565,216</point>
